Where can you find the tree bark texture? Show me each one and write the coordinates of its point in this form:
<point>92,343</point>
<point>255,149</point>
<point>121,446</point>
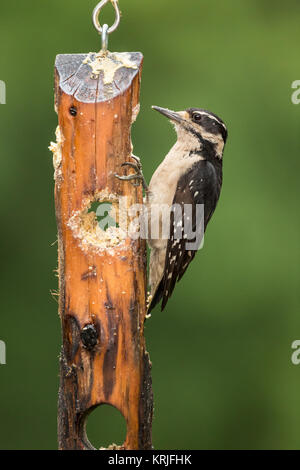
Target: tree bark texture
<point>102,274</point>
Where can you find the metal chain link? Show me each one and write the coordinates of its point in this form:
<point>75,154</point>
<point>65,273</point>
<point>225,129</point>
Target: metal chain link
<point>97,11</point>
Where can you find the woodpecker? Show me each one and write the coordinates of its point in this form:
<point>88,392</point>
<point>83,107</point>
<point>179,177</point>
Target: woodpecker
<point>190,174</point>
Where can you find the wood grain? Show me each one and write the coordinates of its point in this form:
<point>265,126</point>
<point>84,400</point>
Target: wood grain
<point>102,291</point>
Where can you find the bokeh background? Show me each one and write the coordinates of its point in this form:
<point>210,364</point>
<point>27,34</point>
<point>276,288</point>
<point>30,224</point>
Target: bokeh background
<point>221,351</point>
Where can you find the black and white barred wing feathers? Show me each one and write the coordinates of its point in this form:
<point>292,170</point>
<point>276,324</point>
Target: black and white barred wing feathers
<point>193,205</point>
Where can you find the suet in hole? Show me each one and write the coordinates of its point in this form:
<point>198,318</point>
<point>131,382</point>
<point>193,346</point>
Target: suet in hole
<point>99,224</point>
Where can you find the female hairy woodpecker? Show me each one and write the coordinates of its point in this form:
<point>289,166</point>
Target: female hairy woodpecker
<point>190,176</point>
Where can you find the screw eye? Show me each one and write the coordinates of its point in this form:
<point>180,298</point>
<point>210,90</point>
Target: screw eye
<point>197,117</point>
<point>73,111</point>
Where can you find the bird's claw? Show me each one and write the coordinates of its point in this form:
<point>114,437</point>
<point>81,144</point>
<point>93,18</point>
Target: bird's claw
<point>136,176</point>
<point>131,165</point>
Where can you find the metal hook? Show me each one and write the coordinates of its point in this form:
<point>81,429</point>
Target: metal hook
<point>104,37</point>
<point>96,14</point>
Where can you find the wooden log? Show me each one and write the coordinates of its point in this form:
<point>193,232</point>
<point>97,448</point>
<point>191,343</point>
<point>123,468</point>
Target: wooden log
<point>102,274</point>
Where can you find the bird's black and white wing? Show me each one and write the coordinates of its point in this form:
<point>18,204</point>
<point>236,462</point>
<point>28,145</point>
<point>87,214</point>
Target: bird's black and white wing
<point>198,188</point>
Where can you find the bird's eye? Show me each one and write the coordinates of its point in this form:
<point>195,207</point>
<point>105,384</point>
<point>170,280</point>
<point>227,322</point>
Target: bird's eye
<point>197,117</point>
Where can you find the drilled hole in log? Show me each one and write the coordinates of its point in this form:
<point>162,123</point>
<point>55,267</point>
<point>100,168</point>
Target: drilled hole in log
<point>105,214</point>
<point>106,427</point>
<point>99,225</point>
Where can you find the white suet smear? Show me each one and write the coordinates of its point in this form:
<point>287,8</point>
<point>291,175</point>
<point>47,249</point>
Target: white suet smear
<point>135,113</point>
<point>56,149</point>
<point>108,63</point>
<point>85,228</point>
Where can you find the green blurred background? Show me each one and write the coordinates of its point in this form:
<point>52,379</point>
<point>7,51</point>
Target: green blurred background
<point>221,351</point>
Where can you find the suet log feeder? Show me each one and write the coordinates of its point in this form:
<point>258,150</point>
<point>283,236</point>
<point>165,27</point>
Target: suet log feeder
<point>102,274</point>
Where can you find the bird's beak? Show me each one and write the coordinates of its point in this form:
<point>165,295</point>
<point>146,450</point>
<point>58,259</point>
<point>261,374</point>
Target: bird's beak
<point>172,115</point>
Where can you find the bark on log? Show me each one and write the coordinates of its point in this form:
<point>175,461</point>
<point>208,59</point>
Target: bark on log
<point>102,274</point>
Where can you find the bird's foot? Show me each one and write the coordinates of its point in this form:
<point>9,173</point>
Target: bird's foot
<point>138,177</point>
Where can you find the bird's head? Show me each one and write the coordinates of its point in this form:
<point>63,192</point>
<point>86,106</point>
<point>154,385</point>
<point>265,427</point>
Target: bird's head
<point>198,128</point>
